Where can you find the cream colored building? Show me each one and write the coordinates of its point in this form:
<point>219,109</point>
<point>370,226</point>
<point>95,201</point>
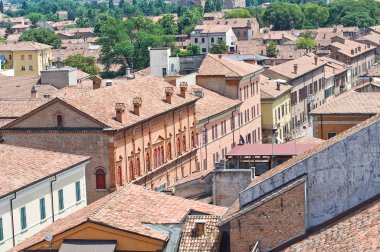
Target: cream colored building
<point>37,188</point>
<point>26,58</point>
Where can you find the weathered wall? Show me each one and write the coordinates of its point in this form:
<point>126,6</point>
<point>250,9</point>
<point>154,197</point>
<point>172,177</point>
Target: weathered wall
<point>200,186</point>
<point>339,177</point>
<point>227,184</point>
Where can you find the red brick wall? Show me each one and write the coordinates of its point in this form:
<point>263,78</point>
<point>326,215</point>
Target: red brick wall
<point>273,222</point>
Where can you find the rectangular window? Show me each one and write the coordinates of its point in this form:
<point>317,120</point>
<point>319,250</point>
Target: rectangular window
<point>258,134</point>
<point>42,209</point>
<point>22,57</point>
<point>331,134</point>
<point>10,56</point>
<point>204,50</point>
<point>203,40</point>
<point>212,40</point>
<point>1,230</point>
<point>77,191</point>
<point>30,57</point>
<point>22,68</point>
<point>196,40</point>
<point>30,68</point>
<point>232,122</point>
<point>60,200</point>
<point>23,218</point>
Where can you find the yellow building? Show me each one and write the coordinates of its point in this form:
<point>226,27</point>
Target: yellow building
<point>26,58</point>
<point>275,110</point>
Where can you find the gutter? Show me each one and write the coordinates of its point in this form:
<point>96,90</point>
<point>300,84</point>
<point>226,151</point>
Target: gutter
<point>52,197</point>
<point>12,221</point>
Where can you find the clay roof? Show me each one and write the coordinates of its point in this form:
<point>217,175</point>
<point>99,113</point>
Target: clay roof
<point>284,149</point>
<point>128,209</point>
<point>235,208</point>
<point>37,164</point>
<point>212,103</point>
<point>233,22</point>
<point>212,28</point>
<point>374,71</point>
<point>100,103</point>
<point>372,37</point>
<point>210,241</point>
<point>268,88</point>
<point>351,103</point>
<point>285,51</point>
<point>63,23</point>
<point>307,140</point>
<point>13,37</point>
<point>194,176</point>
<point>358,231</point>
<point>218,65</point>
<point>14,108</point>
<point>305,64</point>
<point>23,46</point>
<point>350,45</point>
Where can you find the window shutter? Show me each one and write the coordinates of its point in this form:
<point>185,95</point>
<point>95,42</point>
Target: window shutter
<point>42,209</point>
<point>77,190</point>
<point>1,230</point>
<point>23,218</point>
<point>60,197</point>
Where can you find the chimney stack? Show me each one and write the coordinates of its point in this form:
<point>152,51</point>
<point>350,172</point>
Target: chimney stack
<point>316,60</point>
<point>359,48</point>
<point>120,108</point>
<point>96,82</point>
<point>183,87</point>
<point>352,51</point>
<point>169,94</point>
<point>295,66</point>
<point>33,92</point>
<point>137,102</point>
<point>368,45</point>
<point>278,86</point>
<point>219,56</point>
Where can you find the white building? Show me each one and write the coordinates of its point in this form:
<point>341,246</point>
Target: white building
<point>37,187</point>
<point>161,64</point>
<point>206,35</point>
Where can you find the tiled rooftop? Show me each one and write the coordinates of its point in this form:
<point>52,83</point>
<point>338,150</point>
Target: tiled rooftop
<point>128,209</point>
<point>212,28</point>
<point>23,46</point>
<point>233,22</point>
<point>218,65</point>
<point>374,71</point>
<point>359,231</point>
<point>351,48</point>
<point>23,166</point>
<point>268,88</point>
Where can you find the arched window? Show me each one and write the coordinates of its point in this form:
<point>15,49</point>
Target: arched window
<point>131,171</point>
<point>159,161</point>
<point>169,151</point>
<point>162,155</point>
<point>155,158</point>
<point>147,161</point>
<point>178,146</point>
<point>119,176</point>
<point>184,143</point>
<point>59,121</point>
<point>100,176</point>
<point>138,171</point>
<point>192,139</point>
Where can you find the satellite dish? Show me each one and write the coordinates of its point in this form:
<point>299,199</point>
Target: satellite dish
<point>48,237</point>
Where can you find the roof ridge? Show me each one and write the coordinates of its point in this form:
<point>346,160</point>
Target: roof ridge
<point>223,63</point>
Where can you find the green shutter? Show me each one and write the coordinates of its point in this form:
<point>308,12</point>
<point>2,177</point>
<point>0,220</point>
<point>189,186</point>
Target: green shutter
<point>1,230</point>
<point>77,190</point>
<point>42,209</point>
<point>23,218</point>
<point>60,197</point>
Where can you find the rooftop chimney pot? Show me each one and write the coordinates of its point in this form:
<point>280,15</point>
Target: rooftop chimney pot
<point>120,109</point>
<point>137,102</point>
<point>169,94</point>
<point>316,60</point>
<point>34,93</point>
<point>278,86</point>
<point>183,87</point>
<point>295,66</point>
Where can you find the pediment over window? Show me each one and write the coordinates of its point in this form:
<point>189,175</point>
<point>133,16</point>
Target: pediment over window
<point>159,139</point>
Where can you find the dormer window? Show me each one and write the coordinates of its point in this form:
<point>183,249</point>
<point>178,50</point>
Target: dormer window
<point>59,121</point>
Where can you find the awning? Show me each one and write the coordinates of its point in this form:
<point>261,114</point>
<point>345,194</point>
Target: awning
<point>88,246</point>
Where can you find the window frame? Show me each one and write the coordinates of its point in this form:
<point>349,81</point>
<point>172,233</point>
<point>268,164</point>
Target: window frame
<point>42,209</point>
<point>61,203</point>
<point>100,169</point>
<point>23,220</point>
<point>78,195</point>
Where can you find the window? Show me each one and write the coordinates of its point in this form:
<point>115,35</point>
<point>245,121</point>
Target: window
<point>259,134</point>
<point>22,57</point>
<point>30,68</point>
<point>23,218</point>
<point>138,168</point>
<point>196,40</point>
<point>30,57</point>
<point>212,40</point>
<point>169,151</point>
<point>10,56</point>
<point>42,209</point>
<point>59,121</point>
<point>331,134</point>
<point>204,50</point>
<point>164,71</point>
<point>147,160</point>
<point>203,40</point>
<point>232,122</point>
<point>192,139</point>
<point>22,68</point>
<point>78,195</point>
<point>100,179</point>
<point>178,146</point>
<point>131,171</point>
<point>1,230</point>
<point>184,143</point>
<point>61,205</point>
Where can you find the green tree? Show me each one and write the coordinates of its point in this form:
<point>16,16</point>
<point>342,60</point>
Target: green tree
<point>121,4</point>
<point>44,36</point>
<point>189,19</point>
<point>315,15</point>
<point>218,5</point>
<point>306,41</point>
<point>1,7</point>
<point>209,7</point>
<point>219,47</point>
<point>271,49</point>
<point>193,50</point>
<point>283,16</point>
<point>86,64</point>
<point>360,19</point>
<point>34,18</point>
<point>238,13</point>
<point>8,30</point>
<point>111,5</point>
<point>168,24</point>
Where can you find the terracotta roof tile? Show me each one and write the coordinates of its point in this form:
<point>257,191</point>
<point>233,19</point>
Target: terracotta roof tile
<point>37,164</point>
<point>23,46</point>
<point>14,108</point>
<point>212,28</point>
<point>374,71</point>
<point>350,46</point>
<point>218,65</point>
<point>232,22</point>
<point>129,209</point>
<point>268,88</point>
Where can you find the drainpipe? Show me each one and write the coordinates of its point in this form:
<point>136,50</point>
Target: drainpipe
<point>321,122</point>
<point>52,196</point>
<point>12,220</point>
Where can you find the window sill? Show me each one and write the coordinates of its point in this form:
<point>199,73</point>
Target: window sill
<point>101,190</point>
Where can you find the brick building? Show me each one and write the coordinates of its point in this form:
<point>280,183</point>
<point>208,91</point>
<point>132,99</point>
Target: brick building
<point>140,131</point>
<point>238,81</point>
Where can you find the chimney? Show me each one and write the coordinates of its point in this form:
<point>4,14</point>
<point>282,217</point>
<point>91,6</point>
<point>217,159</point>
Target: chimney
<point>183,87</point>
<point>278,86</point>
<point>352,51</point>
<point>324,35</point>
<point>368,45</point>
<point>33,92</point>
<point>269,36</point>
<point>359,48</point>
<point>128,71</point>
<point>169,94</point>
<point>137,102</point>
<point>295,66</point>
<point>120,108</point>
<point>219,56</point>
<point>96,82</point>
<point>316,60</point>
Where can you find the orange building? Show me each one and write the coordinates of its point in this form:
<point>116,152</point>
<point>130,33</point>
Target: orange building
<point>133,219</point>
<point>140,131</point>
<point>343,112</point>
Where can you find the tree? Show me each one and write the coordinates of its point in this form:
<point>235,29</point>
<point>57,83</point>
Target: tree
<point>86,64</point>
<point>1,7</point>
<point>219,47</point>
<point>218,5</point>
<point>360,19</point>
<point>238,13</point>
<point>111,5</point>
<point>315,15</point>
<point>271,49</point>
<point>168,24</point>
<point>8,30</point>
<point>193,50</point>
<point>44,36</point>
<point>209,7</point>
<point>34,18</point>
<point>283,16</point>
<point>306,41</point>
<point>121,3</point>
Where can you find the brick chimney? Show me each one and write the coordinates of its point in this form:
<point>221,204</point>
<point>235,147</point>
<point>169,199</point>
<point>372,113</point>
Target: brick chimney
<point>120,112</point>
<point>169,94</point>
<point>96,82</point>
<point>33,92</point>
<point>316,60</point>
<point>183,87</point>
<point>352,51</point>
<point>137,102</point>
<point>295,66</point>
<point>359,48</point>
<point>278,86</point>
<point>368,45</point>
